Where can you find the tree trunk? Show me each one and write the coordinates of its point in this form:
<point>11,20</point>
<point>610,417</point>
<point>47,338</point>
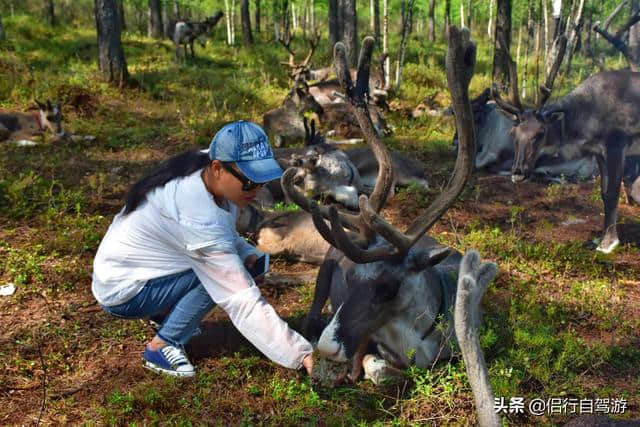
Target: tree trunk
<point>257,16</point>
<point>432,20</point>
<point>233,22</point>
<point>557,20</point>
<point>247,37</point>
<point>447,17</point>
<point>490,24</point>
<point>176,10</point>
<point>111,61</point>
<point>385,43</point>
<point>573,36</point>
<point>123,25</point>
<point>334,29</point>
<point>586,33</point>
<point>227,18</point>
<point>462,14</point>
<point>469,13</point>
<point>371,23</point>
<point>50,12</point>
<point>351,31</point>
<point>341,18</point>
<point>376,20</point>
<point>155,19</point>
<point>165,21</point>
<point>2,35</point>
<point>503,32</point>
<point>408,13</point>
<point>634,32</point>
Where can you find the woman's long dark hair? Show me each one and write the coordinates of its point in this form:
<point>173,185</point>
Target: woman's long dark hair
<point>175,167</point>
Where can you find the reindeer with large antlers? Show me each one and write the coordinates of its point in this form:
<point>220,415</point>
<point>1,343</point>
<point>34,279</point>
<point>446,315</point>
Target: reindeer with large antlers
<point>390,289</point>
<point>598,118</point>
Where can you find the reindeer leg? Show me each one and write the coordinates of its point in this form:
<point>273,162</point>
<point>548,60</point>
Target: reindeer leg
<point>313,324</point>
<point>611,179</point>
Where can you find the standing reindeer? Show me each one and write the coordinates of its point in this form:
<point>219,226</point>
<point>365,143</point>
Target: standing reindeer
<point>184,33</point>
<point>389,288</point>
<point>598,118</point>
<point>17,126</point>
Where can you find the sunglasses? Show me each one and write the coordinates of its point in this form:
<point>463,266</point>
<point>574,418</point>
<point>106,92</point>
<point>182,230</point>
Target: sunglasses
<point>247,184</point>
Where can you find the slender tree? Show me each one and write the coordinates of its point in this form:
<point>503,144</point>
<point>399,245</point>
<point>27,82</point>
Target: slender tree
<point>155,28</point>
<point>257,16</point>
<point>490,24</point>
<point>503,42</point>
<point>447,17</point>
<point>432,20</point>
<point>2,35</point>
<point>408,12</point>
<point>247,37</point>
<point>50,13</point>
<point>376,20</point>
<point>111,60</point>
<point>385,44</point>
<point>334,27</point>
<point>351,31</point>
<point>634,31</point>
<point>576,28</point>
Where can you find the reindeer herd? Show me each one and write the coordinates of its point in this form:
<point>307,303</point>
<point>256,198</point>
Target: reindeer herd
<point>403,296</point>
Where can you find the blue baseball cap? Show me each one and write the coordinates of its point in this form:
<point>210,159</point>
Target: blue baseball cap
<point>246,144</point>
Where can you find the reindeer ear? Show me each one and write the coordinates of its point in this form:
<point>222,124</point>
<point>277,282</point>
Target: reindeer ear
<point>40,105</point>
<point>49,107</point>
<point>513,117</point>
<point>421,259</point>
<point>552,116</point>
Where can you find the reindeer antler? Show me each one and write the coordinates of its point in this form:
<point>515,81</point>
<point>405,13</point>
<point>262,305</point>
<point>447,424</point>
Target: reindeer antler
<point>460,65</point>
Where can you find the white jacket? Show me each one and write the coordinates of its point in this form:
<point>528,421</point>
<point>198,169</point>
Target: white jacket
<point>180,227</point>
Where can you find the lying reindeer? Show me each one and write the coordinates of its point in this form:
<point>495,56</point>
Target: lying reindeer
<point>184,33</point>
<point>324,169</point>
<point>389,288</point>
<point>17,126</point>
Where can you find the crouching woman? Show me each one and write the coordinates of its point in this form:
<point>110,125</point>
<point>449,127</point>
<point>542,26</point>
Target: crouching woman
<point>173,252</point>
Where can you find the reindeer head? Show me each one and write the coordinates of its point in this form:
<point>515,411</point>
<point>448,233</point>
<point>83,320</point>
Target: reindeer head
<point>300,72</point>
<point>51,117</point>
<point>530,127</point>
<point>382,258</point>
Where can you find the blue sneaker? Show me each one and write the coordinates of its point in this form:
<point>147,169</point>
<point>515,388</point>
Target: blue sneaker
<point>169,360</point>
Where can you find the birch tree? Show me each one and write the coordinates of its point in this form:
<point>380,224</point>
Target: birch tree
<point>385,42</point>
<point>573,35</point>
<point>489,25</point>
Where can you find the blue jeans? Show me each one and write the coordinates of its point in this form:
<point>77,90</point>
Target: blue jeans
<point>182,293</point>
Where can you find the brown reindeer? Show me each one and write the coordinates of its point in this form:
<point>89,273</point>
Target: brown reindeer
<point>389,288</point>
<point>18,126</point>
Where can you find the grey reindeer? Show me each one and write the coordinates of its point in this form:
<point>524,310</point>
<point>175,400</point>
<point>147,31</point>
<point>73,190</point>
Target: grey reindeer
<point>184,33</point>
<point>599,118</point>
<point>390,290</point>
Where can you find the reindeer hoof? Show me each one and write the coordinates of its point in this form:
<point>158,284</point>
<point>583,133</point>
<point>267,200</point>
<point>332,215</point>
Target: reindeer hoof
<point>607,246</point>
